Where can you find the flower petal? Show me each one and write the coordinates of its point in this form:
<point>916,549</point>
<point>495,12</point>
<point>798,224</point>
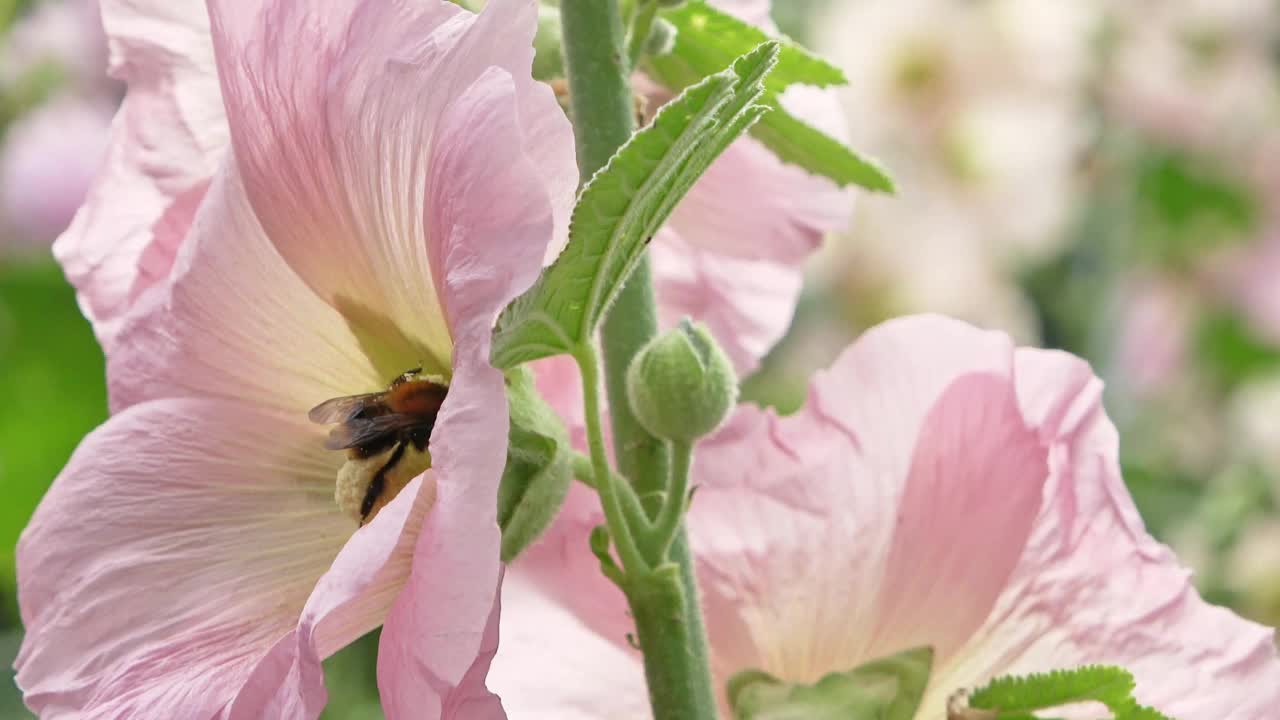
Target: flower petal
<point>343,132</point>
<point>1094,587</point>
<point>748,304</point>
<point>178,545</point>
<point>551,666</point>
<point>438,635</point>
<point>166,141</point>
<point>238,323</point>
<point>751,205</point>
<point>351,599</point>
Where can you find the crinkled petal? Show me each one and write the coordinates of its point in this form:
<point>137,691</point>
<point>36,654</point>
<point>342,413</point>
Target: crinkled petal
<point>175,549</point>
<point>345,119</point>
<point>1094,587</point>
<point>238,323</point>
<point>165,143</point>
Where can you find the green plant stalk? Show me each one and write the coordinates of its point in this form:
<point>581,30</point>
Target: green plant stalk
<point>601,101</point>
<point>620,526</point>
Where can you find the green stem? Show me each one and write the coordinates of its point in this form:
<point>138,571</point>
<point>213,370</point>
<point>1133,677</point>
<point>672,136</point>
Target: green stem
<point>599,89</point>
<point>583,470</point>
<point>669,626</point>
<point>666,528</point>
<point>616,518</point>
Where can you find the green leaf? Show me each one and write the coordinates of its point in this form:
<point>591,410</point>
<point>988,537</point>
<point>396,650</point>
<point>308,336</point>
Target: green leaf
<point>707,40</point>
<point>886,689</point>
<point>624,205</point>
<point>1016,697</point>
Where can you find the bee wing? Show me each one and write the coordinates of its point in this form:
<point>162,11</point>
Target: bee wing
<point>363,430</point>
<point>339,409</point>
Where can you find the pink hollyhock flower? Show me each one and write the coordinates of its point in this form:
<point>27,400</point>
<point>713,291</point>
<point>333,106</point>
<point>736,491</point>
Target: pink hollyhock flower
<point>394,178</point>
<point>942,488</point>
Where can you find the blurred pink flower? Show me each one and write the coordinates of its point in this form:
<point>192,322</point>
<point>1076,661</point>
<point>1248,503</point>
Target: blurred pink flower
<point>395,177</point>
<point>942,488</point>
<point>1154,333</point>
<point>733,252</point>
<point>47,161</point>
<point>65,33</point>
<point>1250,281</point>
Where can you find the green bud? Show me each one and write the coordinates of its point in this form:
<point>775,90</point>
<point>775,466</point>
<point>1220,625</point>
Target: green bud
<point>662,37</point>
<point>548,47</point>
<point>682,385</point>
<point>539,470</point>
<point>671,4</point>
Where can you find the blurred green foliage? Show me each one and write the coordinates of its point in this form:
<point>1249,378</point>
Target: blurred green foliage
<point>53,389</point>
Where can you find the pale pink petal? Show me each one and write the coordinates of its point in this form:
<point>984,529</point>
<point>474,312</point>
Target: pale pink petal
<point>178,546</point>
<point>751,205</point>
<point>747,304</point>
<point>238,323</point>
<point>436,631</point>
<point>165,144</point>
<point>550,666</point>
<point>785,505</point>
<point>1094,587</point>
<point>351,599</point>
<point>348,115</point>
<point>976,460</point>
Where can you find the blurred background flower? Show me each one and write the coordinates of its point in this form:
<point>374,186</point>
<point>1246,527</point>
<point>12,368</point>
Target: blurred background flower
<point>1101,176</point>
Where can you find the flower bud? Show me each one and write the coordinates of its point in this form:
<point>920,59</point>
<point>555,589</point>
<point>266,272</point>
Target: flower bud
<point>662,37</point>
<point>670,4</point>
<point>681,385</point>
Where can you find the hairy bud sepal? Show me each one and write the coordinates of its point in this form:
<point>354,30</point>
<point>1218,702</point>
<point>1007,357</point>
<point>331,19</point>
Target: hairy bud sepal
<point>681,385</point>
<point>662,37</point>
<point>539,467</point>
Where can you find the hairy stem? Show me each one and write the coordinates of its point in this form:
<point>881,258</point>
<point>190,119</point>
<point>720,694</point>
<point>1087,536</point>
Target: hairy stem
<point>668,616</point>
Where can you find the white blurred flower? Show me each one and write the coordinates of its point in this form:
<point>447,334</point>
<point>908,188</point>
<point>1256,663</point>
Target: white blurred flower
<point>1198,72</point>
<point>977,102</point>
<point>917,252</point>
<point>1253,570</point>
<point>1253,413</point>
